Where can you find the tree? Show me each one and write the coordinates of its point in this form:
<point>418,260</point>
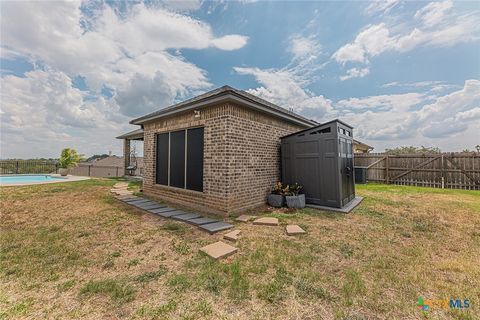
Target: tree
<point>69,158</point>
<point>97,157</point>
<point>412,150</point>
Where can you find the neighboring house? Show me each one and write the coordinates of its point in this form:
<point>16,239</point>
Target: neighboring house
<point>360,147</point>
<point>115,161</point>
<point>111,166</point>
<point>110,161</point>
<point>218,152</point>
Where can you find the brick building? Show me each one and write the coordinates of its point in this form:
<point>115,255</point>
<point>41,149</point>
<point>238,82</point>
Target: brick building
<point>218,152</point>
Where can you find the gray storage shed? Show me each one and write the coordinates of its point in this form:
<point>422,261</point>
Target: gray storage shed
<point>321,159</point>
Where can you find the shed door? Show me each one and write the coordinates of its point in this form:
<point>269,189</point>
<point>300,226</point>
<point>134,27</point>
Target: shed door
<point>306,167</point>
<point>329,179</point>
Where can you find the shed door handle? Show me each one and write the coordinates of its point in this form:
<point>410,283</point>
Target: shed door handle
<point>348,170</point>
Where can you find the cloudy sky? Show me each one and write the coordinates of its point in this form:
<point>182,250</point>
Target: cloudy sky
<point>401,72</point>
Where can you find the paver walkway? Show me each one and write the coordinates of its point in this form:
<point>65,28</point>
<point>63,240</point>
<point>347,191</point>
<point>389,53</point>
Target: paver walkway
<point>162,210</point>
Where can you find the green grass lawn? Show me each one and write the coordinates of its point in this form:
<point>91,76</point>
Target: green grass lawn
<point>70,250</point>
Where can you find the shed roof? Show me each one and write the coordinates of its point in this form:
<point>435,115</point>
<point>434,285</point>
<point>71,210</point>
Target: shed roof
<point>318,126</point>
<point>227,93</point>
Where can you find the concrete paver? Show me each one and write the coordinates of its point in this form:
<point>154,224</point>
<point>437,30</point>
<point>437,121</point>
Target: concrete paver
<point>215,227</point>
<point>232,235</point>
<point>219,250</point>
<point>244,218</point>
<point>266,221</point>
<point>293,229</point>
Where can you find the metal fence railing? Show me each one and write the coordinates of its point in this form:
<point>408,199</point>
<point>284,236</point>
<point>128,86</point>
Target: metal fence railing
<point>28,166</point>
<point>92,170</point>
<point>51,166</point>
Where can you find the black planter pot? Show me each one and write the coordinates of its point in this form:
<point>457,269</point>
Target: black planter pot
<point>276,200</point>
<point>296,202</point>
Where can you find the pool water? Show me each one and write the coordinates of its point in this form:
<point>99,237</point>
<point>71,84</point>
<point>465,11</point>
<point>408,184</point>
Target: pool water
<point>25,179</point>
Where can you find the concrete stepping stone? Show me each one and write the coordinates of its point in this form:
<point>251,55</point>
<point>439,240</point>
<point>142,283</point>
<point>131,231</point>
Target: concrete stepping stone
<point>169,214</point>
<point>120,184</point>
<point>215,226</point>
<point>140,203</point>
<point>149,206</point>
<point>266,221</point>
<point>219,250</point>
<point>144,201</point>
<point>122,192</point>
<point>159,206</point>
<point>293,229</point>
<point>200,221</point>
<point>145,205</point>
<point>244,218</point>
<point>119,188</point>
<point>141,200</point>
<point>232,235</point>
<point>131,199</point>
<point>162,211</point>
<point>186,217</point>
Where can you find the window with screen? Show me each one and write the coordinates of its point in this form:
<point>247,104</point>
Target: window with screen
<point>162,159</point>
<point>180,159</point>
<point>195,159</point>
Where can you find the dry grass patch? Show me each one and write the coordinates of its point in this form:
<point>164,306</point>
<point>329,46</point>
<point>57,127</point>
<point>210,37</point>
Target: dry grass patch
<point>72,251</point>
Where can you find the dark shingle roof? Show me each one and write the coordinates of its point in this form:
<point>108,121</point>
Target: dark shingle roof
<point>218,93</point>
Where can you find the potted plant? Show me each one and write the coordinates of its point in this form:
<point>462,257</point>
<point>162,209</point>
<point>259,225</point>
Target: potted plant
<point>68,158</point>
<point>294,198</point>
<point>276,198</point>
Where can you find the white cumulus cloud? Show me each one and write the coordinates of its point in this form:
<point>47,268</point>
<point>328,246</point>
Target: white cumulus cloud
<point>124,51</point>
<point>355,73</point>
<point>434,12</point>
<point>378,38</point>
<point>304,47</point>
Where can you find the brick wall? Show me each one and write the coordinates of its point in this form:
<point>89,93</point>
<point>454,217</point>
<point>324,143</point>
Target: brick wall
<point>254,155</point>
<point>241,158</point>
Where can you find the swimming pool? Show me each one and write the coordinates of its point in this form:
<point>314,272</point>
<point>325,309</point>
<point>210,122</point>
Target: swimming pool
<point>28,179</point>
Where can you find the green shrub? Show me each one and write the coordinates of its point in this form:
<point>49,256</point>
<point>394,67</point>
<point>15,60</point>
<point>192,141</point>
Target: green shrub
<point>69,158</point>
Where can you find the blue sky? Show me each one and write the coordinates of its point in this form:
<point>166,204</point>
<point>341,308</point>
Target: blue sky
<point>401,72</point>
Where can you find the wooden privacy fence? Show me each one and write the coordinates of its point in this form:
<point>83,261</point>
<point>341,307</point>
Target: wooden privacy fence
<point>438,170</point>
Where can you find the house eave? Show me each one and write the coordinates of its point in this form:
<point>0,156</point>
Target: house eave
<point>226,97</point>
<point>132,135</point>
